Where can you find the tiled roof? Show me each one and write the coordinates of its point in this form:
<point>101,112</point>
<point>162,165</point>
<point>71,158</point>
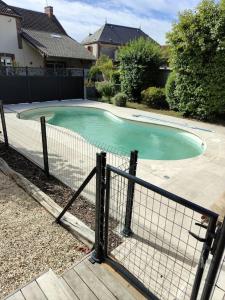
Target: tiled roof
<point>114,34</point>
<point>56,45</point>
<point>34,20</point>
<point>7,10</point>
<point>49,37</point>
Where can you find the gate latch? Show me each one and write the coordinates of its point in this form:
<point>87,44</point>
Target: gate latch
<point>202,240</point>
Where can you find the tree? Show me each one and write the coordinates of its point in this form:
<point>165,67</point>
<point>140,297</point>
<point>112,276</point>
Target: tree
<point>197,56</point>
<point>103,66</point>
<point>139,63</point>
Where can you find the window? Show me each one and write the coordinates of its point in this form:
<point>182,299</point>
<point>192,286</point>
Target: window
<point>6,61</point>
<point>90,48</point>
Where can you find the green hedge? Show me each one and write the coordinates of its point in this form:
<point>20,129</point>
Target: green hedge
<point>170,91</point>
<point>197,56</point>
<point>139,62</point>
<point>155,98</point>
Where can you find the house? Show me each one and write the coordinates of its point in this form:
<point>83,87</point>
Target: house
<point>35,39</point>
<point>110,37</point>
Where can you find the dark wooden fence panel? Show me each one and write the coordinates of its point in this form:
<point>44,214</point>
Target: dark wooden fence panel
<point>31,85</point>
<point>13,90</point>
<point>44,88</point>
<point>71,87</point>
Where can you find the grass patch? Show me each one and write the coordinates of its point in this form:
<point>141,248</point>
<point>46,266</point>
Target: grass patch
<point>144,107</point>
<point>220,120</point>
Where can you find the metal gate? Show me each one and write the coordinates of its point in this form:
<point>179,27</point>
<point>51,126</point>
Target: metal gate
<point>155,239</point>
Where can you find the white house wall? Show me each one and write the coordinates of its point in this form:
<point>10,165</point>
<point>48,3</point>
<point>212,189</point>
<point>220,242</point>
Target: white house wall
<point>25,57</point>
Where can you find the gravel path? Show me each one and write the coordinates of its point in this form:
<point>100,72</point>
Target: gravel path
<point>30,242</point>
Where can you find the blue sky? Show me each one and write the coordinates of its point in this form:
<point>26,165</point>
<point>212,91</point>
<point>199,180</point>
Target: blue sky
<point>80,18</point>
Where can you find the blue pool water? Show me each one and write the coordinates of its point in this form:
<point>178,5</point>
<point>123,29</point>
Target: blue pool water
<point>100,127</point>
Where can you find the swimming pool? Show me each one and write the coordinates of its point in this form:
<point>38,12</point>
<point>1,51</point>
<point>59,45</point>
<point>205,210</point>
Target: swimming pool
<point>98,126</point>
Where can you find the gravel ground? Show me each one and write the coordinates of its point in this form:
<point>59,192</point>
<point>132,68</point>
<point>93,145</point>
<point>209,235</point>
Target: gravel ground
<point>30,242</point>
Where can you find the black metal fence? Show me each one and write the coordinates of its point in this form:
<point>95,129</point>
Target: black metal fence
<point>19,84</point>
<point>155,239</point>
<point>165,249</point>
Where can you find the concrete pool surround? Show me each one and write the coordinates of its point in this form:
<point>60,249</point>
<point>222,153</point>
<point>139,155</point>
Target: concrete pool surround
<point>199,179</point>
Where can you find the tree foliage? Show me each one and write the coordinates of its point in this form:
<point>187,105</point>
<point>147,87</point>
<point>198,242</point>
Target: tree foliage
<point>103,66</point>
<point>155,98</point>
<point>170,91</point>
<point>105,89</point>
<point>197,49</point>
<point>139,62</point>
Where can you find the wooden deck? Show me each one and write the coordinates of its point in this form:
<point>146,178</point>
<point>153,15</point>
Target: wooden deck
<point>84,281</point>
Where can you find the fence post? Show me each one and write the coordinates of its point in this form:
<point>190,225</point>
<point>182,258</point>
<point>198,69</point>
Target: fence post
<point>130,194</point>
<point>98,254</point>
<point>44,145</point>
<point>84,84</point>
<point>215,265</point>
<point>28,86</point>
<point>4,124</point>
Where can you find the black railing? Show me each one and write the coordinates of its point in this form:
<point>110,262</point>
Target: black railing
<point>31,71</point>
<point>165,253</point>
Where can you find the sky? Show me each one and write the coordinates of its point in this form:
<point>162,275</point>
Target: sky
<point>79,18</point>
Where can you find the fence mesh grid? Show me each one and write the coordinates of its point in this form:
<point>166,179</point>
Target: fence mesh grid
<point>160,253</point>
<point>71,157</point>
<point>219,287</point>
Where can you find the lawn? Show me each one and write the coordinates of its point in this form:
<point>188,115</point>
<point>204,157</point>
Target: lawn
<point>144,107</point>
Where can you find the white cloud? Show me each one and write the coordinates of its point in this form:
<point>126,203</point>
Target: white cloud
<point>80,18</point>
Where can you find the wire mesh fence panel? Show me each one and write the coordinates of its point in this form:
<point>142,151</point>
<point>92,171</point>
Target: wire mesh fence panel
<point>25,137</point>
<point>72,158</point>
<point>160,252</point>
<point>218,292</point>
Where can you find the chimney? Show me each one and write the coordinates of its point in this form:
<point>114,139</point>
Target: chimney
<point>49,11</point>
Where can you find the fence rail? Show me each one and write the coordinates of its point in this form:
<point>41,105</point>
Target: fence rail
<point>28,71</point>
<point>168,248</point>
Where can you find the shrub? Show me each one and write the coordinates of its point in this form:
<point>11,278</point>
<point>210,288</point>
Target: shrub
<point>139,63</point>
<point>115,77</point>
<point>170,91</point>
<point>197,56</point>
<point>103,66</point>
<point>105,89</point>
<point>120,99</point>
<point>155,97</point>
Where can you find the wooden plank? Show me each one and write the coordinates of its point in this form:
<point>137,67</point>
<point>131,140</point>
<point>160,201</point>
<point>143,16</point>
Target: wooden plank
<point>132,290</point>
<point>33,292</point>
<point>50,285</point>
<point>93,282</point>
<point>68,289</point>
<point>113,284</point>
<point>16,296</point>
<point>78,286</point>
